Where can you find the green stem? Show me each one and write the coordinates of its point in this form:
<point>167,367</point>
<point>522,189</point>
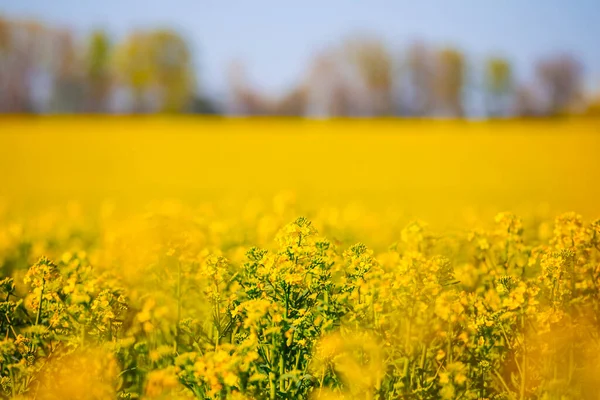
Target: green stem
<point>12,382</point>
<point>508,392</point>
<point>39,310</point>
<point>282,371</point>
<point>449,344</point>
<point>287,301</point>
<point>177,327</point>
<point>422,365</point>
<point>523,362</point>
<point>272,392</point>
<point>408,333</point>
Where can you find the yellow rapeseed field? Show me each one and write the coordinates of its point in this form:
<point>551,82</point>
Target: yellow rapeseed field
<point>179,258</point>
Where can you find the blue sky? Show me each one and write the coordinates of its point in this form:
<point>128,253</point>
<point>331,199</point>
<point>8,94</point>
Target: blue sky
<point>276,39</point>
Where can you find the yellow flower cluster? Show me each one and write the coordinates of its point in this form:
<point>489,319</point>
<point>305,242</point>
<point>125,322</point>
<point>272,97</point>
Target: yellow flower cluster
<point>189,303</point>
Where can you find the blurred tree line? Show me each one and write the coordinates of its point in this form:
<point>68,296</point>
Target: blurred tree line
<point>363,77</point>
<point>43,69</point>
<point>48,70</point>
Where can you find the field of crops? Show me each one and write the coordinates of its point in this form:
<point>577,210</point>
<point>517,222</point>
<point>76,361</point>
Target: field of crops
<point>289,259</point>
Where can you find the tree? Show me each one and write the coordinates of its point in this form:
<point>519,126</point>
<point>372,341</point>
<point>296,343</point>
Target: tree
<point>498,84</point>
<point>157,65</point>
<point>20,45</point>
<point>133,68</point>
<point>593,107</point>
<point>449,81</point>
<point>4,34</point>
<point>98,74</point>
<point>561,78</point>
<point>418,70</point>
<point>245,100</point>
<point>4,63</point>
<point>174,72</point>
<point>204,106</point>
<point>526,103</point>
<point>328,87</point>
<point>375,66</point>
<point>69,89</point>
<point>292,103</point>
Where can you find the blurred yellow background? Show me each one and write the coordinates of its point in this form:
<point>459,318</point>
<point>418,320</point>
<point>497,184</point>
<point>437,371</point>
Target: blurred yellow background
<point>435,170</point>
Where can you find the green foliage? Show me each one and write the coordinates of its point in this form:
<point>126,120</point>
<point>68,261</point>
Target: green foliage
<point>494,315</point>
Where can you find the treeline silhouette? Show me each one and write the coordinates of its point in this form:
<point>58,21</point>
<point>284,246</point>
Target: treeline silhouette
<point>46,69</point>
